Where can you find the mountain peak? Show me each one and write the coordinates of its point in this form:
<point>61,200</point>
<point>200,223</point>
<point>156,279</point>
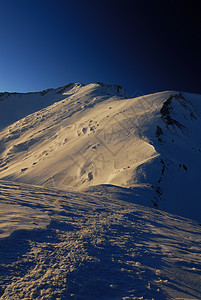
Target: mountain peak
<point>78,136</point>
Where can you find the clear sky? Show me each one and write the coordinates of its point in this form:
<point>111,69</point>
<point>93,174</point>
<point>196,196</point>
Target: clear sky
<point>143,45</point>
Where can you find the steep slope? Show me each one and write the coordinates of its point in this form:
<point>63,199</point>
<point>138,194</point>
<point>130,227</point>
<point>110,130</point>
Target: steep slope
<point>72,245</point>
<point>15,106</point>
<point>73,135</point>
<point>95,135</point>
<point>175,174</point>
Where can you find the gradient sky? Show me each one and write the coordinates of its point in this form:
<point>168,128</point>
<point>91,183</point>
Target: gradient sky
<point>143,45</point>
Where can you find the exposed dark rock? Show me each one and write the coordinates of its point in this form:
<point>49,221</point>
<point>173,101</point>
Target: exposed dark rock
<point>90,176</point>
<point>185,167</point>
<point>64,88</point>
<point>159,131</point>
<point>166,108</point>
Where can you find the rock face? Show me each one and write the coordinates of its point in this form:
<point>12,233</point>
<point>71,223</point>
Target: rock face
<point>80,136</point>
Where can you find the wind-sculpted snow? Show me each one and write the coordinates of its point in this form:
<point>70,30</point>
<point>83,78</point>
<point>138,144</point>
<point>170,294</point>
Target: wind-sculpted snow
<point>14,106</point>
<point>94,245</point>
<point>94,134</point>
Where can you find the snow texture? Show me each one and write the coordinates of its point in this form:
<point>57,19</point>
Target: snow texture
<point>72,245</point>
<point>100,194</point>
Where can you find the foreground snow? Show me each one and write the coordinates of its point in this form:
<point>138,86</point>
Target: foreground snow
<point>71,245</point>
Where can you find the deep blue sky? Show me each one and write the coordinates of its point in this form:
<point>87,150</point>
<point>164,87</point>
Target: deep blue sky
<point>142,45</point>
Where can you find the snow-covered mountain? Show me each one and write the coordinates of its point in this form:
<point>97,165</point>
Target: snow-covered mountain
<point>95,188</point>
<point>80,136</point>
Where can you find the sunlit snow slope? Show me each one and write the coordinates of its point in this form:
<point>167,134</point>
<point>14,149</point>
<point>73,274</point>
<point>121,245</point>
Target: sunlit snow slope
<point>89,135</point>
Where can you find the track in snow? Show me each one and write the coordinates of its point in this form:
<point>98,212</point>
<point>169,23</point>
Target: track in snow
<point>95,247</point>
